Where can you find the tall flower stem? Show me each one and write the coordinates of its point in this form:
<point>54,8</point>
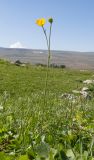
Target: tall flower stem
<point>49,51</point>
<point>46,37</point>
<point>48,41</point>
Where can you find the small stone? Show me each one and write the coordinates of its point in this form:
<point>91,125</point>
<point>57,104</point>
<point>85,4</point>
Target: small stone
<point>23,65</point>
<point>88,81</point>
<point>85,89</point>
<point>75,91</point>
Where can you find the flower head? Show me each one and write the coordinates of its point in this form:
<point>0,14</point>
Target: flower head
<point>50,20</point>
<point>41,22</point>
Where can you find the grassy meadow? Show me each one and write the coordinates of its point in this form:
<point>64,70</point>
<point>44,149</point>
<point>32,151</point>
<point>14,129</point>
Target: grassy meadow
<point>40,123</point>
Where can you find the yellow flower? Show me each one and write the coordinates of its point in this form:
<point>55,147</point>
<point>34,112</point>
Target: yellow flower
<point>41,22</point>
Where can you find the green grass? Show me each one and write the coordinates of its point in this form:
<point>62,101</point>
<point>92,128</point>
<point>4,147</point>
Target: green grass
<point>38,126</point>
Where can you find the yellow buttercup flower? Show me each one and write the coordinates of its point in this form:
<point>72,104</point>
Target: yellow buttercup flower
<point>41,22</point>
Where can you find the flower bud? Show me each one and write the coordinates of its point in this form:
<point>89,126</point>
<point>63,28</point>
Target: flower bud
<point>50,20</point>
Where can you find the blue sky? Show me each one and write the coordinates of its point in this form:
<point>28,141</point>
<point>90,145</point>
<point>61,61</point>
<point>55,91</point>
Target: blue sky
<point>73,27</point>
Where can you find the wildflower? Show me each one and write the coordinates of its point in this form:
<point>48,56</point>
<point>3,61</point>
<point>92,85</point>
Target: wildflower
<point>16,136</point>
<point>50,20</point>
<point>41,22</point>
<point>10,133</point>
<point>1,107</point>
<point>12,153</point>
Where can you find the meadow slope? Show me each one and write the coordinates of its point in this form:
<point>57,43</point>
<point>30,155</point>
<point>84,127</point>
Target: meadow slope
<point>42,124</point>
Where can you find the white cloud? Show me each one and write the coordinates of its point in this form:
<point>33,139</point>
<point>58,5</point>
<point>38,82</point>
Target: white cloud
<point>16,45</point>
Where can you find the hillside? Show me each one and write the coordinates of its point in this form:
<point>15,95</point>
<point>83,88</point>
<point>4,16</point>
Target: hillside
<point>76,60</point>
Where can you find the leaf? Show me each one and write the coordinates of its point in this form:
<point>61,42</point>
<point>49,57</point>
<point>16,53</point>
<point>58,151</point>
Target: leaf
<point>3,156</point>
<point>43,150</point>
<point>70,154</point>
<point>85,155</point>
<point>23,157</point>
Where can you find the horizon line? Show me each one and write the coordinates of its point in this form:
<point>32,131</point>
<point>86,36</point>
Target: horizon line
<point>45,49</point>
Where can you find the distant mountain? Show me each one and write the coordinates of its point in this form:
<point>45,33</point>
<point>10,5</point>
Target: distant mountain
<point>72,59</point>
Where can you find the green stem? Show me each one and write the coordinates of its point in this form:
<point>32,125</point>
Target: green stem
<point>45,37</point>
<point>48,59</point>
<point>49,51</point>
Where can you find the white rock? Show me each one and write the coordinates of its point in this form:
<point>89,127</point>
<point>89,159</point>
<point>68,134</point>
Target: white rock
<point>84,94</point>
<point>83,70</point>
<point>11,62</point>
<point>23,65</point>
<point>68,96</point>
<point>88,81</point>
<point>75,91</point>
<point>85,89</point>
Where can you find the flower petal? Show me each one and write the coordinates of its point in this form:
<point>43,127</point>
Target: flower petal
<point>41,22</point>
